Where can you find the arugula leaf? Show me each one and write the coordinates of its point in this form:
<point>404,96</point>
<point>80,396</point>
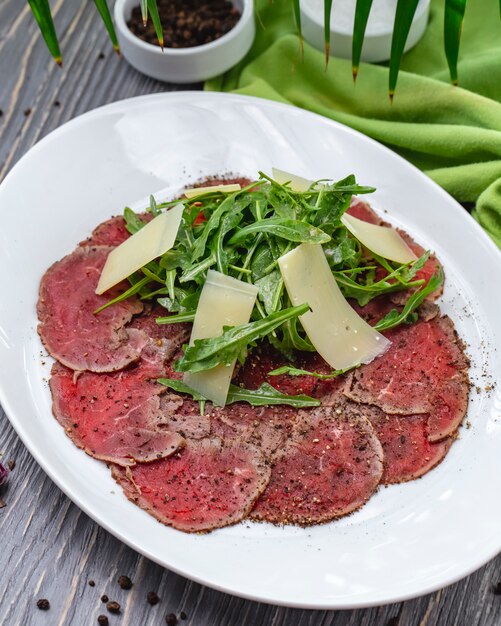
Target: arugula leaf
<point>343,251</point>
<point>395,318</point>
<point>294,339</point>
<point>212,224</point>
<point>133,222</point>
<point>153,208</point>
<point>178,385</point>
<point>174,259</point>
<point>198,271</point>
<point>170,278</point>
<point>228,223</point>
<point>270,288</point>
<point>265,395</point>
<point>294,371</point>
<point>396,280</point>
<point>136,288</point>
<point>261,259</point>
<point>205,354</point>
<point>292,230</point>
<point>189,316</point>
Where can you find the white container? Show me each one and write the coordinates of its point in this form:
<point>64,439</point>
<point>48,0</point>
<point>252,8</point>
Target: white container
<point>377,42</point>
<point>186,65</point>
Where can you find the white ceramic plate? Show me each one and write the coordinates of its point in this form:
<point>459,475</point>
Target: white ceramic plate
<point>409,539</point>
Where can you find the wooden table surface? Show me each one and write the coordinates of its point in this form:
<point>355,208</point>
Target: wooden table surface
<point>48,547</point>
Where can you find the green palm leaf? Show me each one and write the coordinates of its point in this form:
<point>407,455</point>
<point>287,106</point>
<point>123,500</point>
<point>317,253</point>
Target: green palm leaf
<point>401,27</point>
<point>104,11</point>
<point>296,9</point>
<point>327,29</point>
<point>453,23</point>
<point>155,18</point>
<point>144,11</point>
<point>43,17</point>
<point>362,11</point>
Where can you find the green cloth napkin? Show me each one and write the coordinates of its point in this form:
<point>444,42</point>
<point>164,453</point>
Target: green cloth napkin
<point>451,133</point>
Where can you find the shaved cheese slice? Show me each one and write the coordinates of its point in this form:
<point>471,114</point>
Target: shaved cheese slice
<point>382,240</point>
<point>198,191</point>
<point>296,183</point>
<point>337,332</point>
<point>147,244</point>
<point>224,301</point>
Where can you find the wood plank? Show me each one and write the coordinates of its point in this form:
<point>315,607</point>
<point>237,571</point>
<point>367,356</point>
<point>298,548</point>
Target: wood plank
<point>49,548</point>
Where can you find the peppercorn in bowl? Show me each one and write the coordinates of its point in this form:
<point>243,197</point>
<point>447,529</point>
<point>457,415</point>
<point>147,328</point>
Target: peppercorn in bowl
<point>201,38</point>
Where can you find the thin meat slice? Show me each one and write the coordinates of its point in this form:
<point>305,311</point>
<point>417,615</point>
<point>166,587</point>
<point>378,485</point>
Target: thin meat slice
<point>408,452</point>
<point>424,370</point>
<point>330,468</point>
<point>363,211</point>
<point>71,331</point>
<point>209,484</point>
<point>432,267</point>
<point>183,415</point>
<point>380,306</point>
<point>164,340</point>
<point>114,417</point>
<point>267,428</point>
<point>112,232</point>
<point>265,359</point>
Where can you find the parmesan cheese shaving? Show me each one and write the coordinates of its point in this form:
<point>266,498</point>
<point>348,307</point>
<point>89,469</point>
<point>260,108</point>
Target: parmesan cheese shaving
<point>198,191</point>
<point>147,244</point>
<point>336,331</point>
<point>296,183</point>
<point>224,301</point>
<point>382,240</point>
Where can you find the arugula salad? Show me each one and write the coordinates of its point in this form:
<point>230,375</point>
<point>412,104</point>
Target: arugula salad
<point>259,238</point>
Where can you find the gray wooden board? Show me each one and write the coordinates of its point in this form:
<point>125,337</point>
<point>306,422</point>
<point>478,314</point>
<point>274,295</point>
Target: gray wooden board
<point>48,547</point>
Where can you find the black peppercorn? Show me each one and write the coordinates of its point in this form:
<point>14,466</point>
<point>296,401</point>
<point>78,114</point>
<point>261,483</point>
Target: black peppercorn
<point>125,582</point>
<point>152,598</point>
<point>43,604</point>
<point>113,607</point>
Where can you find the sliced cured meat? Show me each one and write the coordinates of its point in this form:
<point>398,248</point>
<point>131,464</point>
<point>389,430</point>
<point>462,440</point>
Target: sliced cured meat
<point>211,181</point>
<point>112,232</point>
<point>363,211</point>
<point>423,371</point>
<point>374,310</point>
<point>164,340</point>
<point>267,428</point>
<point>114,417</point>
<point>408,452</point>
<point>182,415</point>
<point>71,331</point>
<point>265,359</point>
<point>209,484</point>
<point>380,306</point>
<point>431,267</point>
<point>262,361</point>
<point>329,468</point>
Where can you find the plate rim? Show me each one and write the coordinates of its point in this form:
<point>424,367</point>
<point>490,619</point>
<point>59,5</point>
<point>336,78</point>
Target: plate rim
<point>94,515</point>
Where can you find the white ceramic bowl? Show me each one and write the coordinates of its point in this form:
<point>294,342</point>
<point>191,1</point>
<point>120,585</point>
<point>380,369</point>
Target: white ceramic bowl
<point>186,65</point>
<point>378,34</point>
